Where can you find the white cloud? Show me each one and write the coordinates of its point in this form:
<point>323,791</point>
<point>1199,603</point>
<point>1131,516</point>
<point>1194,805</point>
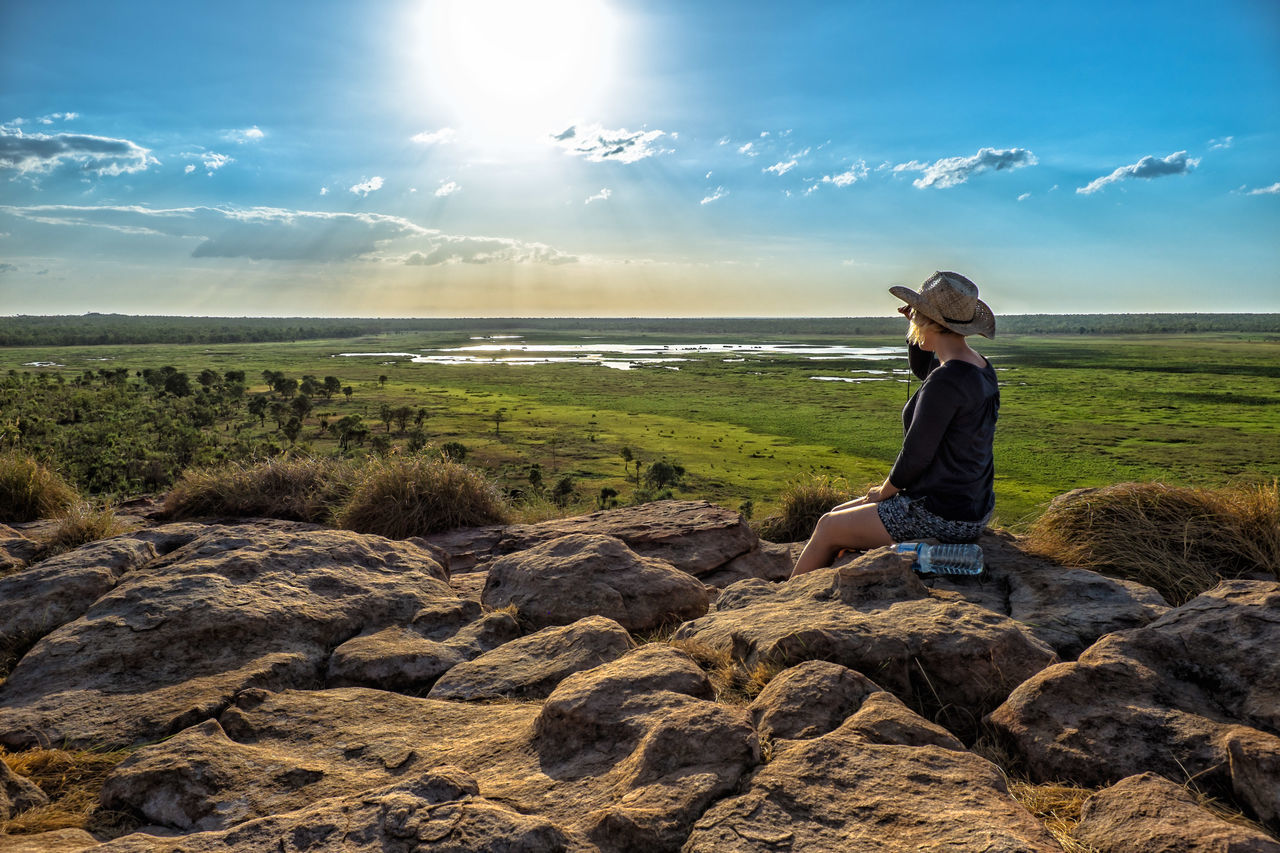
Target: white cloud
<point>724,140</point>
<point>39,153</point>
<point>241,136</point>
<point>1024,196</point>
<point>1224,142</point>
<point>275,234</point>
<point>707,176</point>
<point>365,187</point>
<point>813,188</point>
<point>443,136</point>
<point>952,171</point>
<point>763,134</point>
<point>447,188</point>
<point>856,172</point>
<point>1148,167</point>
<point>781,168</point>
<point>603,195</point>
<point>748,149</point>
<point>714,195</point>
<point>599,145</point>
<point>52,117</point>
<point>324,191</point>
<point>1274,189</point>
<point>211,160</point>
<point>453,249</point>
<point>189,169</point>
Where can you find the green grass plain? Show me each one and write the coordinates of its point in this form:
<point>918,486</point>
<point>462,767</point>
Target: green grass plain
<point>1187,409</point>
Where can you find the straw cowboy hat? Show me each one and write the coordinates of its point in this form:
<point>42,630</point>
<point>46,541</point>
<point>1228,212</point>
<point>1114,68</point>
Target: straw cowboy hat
<point>952,300</point>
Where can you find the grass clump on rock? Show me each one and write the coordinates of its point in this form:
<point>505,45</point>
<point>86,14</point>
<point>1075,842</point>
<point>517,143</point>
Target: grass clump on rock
<point>1180,541</point>
<point>29,491</point>
<point>297,488</point>
<point>81,524</point>
<point>420,495</point>
<point>803,502</point>
<point>72,780</point>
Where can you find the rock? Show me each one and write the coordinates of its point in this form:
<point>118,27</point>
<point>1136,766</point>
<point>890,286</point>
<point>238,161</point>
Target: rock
<point>18,793</point>
<point>469,585</point>
<point>56,841</point>
<point>809,699</point>
<point>177,638</point>
<point>532,666</point>
<point>695,536</point>
<point>16,550</point>
<point>767,561</point>
<point>846,791</point>
<point>1068,608</point>
<point>578,575</point>
<point>628,753</point>
<point>943,656</point>
<point>643,724</point>
<point>1195,694</point>
<point>52,593</point>
<point>436,809</point>
<point>1149,814</point>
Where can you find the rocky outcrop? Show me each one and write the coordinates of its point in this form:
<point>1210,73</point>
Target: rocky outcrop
<point>1149,814</point>
<point>54,841</point>
<point>939,653</point>
<point>1194,694</point>
<point>532,666</point>
<point>883,780</point>
<point>175,639</point>
<point>695,536</point>
<point>583,574</point>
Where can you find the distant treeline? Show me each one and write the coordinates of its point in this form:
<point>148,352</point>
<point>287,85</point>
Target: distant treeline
<point>97,329</point>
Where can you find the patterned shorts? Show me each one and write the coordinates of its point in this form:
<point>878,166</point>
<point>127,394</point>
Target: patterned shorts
<point>908,520</point>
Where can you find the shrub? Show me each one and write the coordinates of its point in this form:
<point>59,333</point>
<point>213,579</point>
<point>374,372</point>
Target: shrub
<point>803,502</point>
<point>300,488</point>
<point>82,524</point>
<point>420,495</point>
<point>29,491</point>
<point>1180,541</point>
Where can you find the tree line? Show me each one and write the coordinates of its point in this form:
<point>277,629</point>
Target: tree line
<point>103,329</point>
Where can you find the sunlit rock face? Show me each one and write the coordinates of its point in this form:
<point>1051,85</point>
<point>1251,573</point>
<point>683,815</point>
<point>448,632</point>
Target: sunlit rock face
<point>629,680</point>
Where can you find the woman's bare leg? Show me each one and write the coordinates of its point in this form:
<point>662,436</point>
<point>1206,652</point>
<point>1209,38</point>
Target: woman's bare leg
<point>858,528</point>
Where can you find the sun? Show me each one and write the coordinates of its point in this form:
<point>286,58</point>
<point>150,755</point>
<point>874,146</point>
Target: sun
<point>515,68</point>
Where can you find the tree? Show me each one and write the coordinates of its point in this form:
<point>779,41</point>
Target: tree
<point>384,412</point>
<point>292,429</point>
<point>662,473</point>
<point>332,385</point>
<point>208,378</point>
<point>258,408</point>
<point>401,414</point>
<point>562,491</point>
<point>301,406</point>
<point>420,417</point>
<point>285,386</point>
<point>455,451</point>
<point>177,384</point>
<point>348,391</point>
<point>535,477</point>
<point>498,417</point>
<point>382,380</point>
<point>279,413</point>
<point>310,386</point>
<point>608,498</point>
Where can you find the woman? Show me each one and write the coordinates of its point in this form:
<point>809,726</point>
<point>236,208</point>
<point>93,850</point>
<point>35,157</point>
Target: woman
<point>940,487</point>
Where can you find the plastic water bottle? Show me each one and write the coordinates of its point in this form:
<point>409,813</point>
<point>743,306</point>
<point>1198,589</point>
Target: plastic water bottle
<point>944,559</point>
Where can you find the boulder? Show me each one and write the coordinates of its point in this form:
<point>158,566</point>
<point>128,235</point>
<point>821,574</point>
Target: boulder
<point>16,550</point>
<point>1149,814</point>
<point>1196,694</point>
<point>629,754</point>
<point>409,659</point>
<point>532,666</point>
<point>767,561</point>
<point>175,639</point>
<point>695,536</point>
<point>579,575</point>
<point>1068,608</point>
<point>17,793</point>
<point>435,809</point>
<point>809,699</point>
<point>945,657</point>
<point>862,788</point>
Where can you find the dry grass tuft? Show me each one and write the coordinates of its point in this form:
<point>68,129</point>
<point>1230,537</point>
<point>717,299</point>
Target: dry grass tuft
<point>29,491</point>
<point>734,682</point>
<point>803,502</point>
<point>298,488</point>
<point>72,780</point>
<point>1181,541</point>
<point>82,524</point>
<point>398,498</point>
<point>1058,808</point>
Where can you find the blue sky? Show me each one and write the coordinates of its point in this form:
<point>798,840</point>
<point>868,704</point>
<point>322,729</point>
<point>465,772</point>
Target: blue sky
<point>616,157</point>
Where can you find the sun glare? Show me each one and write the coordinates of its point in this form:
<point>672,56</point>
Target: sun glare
<point>519,68</point>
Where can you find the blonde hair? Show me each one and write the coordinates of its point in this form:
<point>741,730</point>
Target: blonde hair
<point>920,324</point>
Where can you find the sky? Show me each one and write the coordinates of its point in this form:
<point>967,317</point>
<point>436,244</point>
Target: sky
<point>636,157</point>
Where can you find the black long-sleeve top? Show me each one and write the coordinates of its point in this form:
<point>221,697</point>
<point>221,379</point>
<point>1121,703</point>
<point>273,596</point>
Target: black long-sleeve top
<point>949,425</point>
